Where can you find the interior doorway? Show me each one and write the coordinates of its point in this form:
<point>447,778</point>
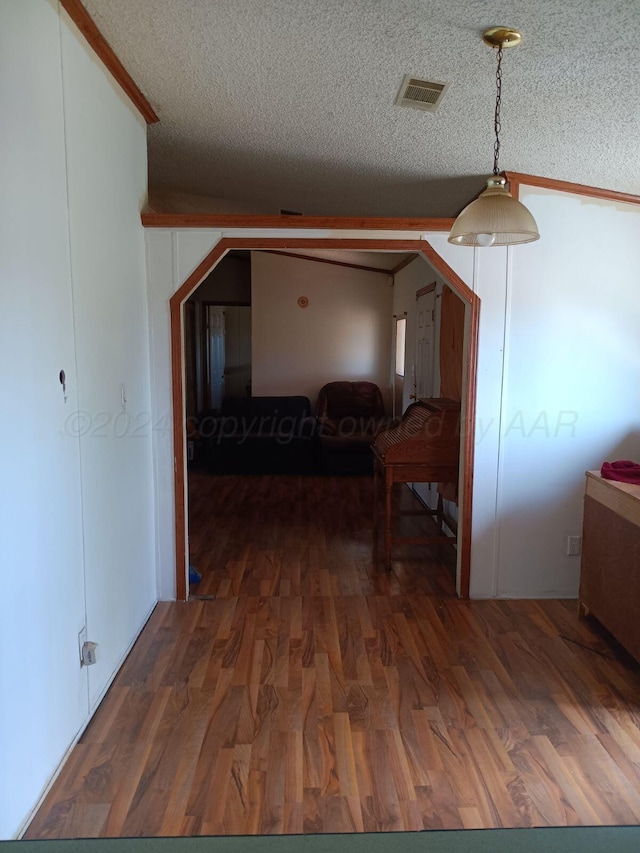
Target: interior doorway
<point>471,302</point>
<point>217,354</point>
<point>217,336</point>
<point>214,355</point>
<point>399,363</point>
<point>423,385</point>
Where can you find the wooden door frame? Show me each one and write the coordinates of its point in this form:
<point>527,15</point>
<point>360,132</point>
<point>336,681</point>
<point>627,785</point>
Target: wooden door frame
<point>420,247</point>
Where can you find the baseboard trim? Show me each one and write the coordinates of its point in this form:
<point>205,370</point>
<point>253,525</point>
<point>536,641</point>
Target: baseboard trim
<point>527,596</point>
<point>25,824</point>
<point>92,709</point>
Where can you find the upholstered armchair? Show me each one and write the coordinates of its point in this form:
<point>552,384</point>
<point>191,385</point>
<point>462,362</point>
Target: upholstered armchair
<point>349,415</point>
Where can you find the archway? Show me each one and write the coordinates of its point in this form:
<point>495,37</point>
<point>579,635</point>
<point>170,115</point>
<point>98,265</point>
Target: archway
<point>420,247</point>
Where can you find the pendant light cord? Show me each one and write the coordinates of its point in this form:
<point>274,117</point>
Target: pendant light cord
<point>496,120</point>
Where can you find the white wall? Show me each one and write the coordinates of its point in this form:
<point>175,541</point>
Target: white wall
<point>571,395</point>
<point>343,334</point>
<point>558,333</point>
<point>43,692</point>
<point>558,387</point>
<point>107,178</point>
<point>489,282</point>
<point>73,291</point>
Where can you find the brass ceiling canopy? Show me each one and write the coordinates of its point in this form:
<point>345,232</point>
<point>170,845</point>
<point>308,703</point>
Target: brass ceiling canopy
<point>502,37</point>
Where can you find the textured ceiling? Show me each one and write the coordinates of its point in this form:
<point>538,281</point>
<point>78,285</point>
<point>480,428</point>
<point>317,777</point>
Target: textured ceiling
<point>290,103</point>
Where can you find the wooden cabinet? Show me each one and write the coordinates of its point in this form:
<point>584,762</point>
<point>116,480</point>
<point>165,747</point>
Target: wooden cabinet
<point>610,571</point>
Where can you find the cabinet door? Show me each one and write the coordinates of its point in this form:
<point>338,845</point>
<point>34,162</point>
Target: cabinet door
<point>609,582</point>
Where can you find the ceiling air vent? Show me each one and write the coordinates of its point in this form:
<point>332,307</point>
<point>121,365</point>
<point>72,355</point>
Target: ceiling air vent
<point>421,94</point>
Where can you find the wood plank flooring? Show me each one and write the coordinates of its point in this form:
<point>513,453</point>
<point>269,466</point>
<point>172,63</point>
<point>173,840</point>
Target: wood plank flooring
<point>304,536</point>
<point>318,693</point>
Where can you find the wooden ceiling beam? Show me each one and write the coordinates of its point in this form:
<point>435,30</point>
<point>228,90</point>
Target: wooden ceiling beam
<point>335,223</point>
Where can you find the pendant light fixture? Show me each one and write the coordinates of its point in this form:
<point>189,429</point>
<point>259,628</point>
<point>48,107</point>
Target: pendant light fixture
<point>495,218</point>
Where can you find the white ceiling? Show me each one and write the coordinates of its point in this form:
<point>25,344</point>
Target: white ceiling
<point>290,103</point>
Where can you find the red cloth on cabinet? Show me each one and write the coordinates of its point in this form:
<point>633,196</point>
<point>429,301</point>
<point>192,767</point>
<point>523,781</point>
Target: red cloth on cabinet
<point>624,471</point>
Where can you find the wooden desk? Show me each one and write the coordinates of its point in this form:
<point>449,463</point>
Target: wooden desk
<point>610,567</point>
<point>423,448</point>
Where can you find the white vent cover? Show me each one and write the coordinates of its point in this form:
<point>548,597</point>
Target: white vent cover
<point>421,94</point>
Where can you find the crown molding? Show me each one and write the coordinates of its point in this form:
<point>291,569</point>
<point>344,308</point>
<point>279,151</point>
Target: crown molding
<point>85,23</point>
<point>515,179</point>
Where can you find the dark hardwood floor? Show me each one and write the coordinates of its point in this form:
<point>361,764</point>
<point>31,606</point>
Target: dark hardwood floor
<point>303,536</point>
<point>319,693</point>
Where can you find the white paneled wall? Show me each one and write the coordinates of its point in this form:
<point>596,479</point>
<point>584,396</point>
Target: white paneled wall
<point>107,179</point>
<point>77,539</point>
<point>571,392</point>
<point>558,385</point>
<point>43,691</point>
<point>490,270</point>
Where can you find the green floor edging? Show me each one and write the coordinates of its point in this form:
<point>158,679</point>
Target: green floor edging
<point>603,839</point>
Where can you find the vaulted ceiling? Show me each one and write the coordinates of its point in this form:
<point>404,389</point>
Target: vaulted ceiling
<point>289,104</point>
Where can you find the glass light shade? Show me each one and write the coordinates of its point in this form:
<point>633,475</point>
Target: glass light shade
<point>495,218</point>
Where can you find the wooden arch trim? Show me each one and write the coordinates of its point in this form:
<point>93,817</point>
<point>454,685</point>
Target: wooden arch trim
<point>87,26</point>
<point>177,384</point>
<point>420,247</point>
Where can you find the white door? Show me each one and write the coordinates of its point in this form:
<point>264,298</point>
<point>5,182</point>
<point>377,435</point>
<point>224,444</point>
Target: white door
<point>215,354</point>
<point>425,345</point>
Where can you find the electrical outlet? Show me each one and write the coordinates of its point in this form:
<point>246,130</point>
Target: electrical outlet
<point>89,654</point>
<point>574,546</point>
<point>82,639</point>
